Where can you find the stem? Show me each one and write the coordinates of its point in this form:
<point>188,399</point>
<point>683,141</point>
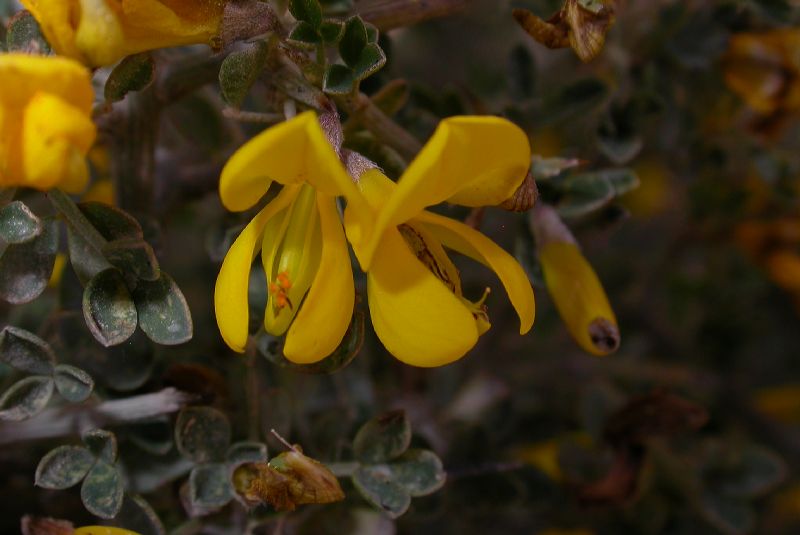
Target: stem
<point>389,14</point>
<point>384,128</point>
<point>252,116</point>
<point>253,392</point>
<point>76,419</point>
<point>75,218</point>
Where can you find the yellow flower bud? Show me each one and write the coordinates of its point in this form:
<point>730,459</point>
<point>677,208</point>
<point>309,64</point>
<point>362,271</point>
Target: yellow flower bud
<point>100,32</point>
<point>45,124</point>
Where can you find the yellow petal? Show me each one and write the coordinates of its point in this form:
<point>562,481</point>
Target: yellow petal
<point>470,242</point>
<point>579,297</point>
<point>473,161</point>
<point>56,136</point>
<point>323,318</point>
<point>57,19</point>
<point>103,530</point>
<point>292,152</point>
<point>230,292</point>
<point>99,35</point>
<point>61,77</point>
<point>417,317</point>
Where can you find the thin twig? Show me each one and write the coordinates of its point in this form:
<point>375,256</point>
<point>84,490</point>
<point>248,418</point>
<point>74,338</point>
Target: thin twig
<point>252,116</point>
<point>75,218</point>
<point>76,419</point>
<point>390,14</point>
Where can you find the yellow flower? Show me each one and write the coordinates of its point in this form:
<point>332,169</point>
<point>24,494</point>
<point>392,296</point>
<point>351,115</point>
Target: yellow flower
<point>45,124</point>
<point>300,235</point>
<point>573,285</point>
<point>100,32</point>
<point>763,69</point>
<point>414,290</point>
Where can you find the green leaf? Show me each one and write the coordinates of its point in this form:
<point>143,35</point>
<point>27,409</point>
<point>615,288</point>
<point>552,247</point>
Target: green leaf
<point>18,224</point>
<point>134,256</point>
<point>372,33</point>
<point>153,436</point>
<point>26,398</point>
<point>112,223</point>
<point>547,168</point>
<point>136,515</point>
<point>74,384</point>
<point>210,486</point>
<point>305,35</point>
<point>331,31</point>
<point>102,492</point>
<point>622,180</point>
<point>25,268</point>
<point>25,35</point>
<point>618,142</point>
<point>25,351</point>
<point>164,315</point>
<point>240,70</point>
<point>306,10</point>
<point>420,472</point>
<point>759,470</point>
<point>272,348</point>
<point>376,485</point>
<point>370,61</point>
<point>383,438</point>
<point>63,467</point>
<point>353,41</point>
<point>133,73</point>
<point>247,452</point>
<point>584,194</point>
<point>338,80</point>
<point>202,434</point>
<point>108,308</point>
<point>102,444</point>
<point>86,261</point>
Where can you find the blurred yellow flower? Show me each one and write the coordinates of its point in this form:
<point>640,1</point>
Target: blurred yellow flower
<point>100,32</point>
<point>764,69</point>
<point>414,290</point>
<point>103,530</point>
<point>300,236</point>
<point>45,124</point>
<point>576,291</point>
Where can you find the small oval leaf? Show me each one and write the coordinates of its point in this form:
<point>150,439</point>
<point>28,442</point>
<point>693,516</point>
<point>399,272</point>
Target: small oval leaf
<point>26,398</point>
<point>18,224</point>
<point>202,433</point>
<point>108,308</point>
<point>376,485</point>
<point>133,73</point>
<point>25,351</point>
<point>63,467</point>
<point>210,486</point>
<point>164,315</point>
<point>102,444</point>
<point>101,492</point>
<point>383,438</point>
<point>74,384</point>
<point>25,268</point>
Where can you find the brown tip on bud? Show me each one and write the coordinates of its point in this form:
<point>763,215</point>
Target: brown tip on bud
<point>243,19</point>
<point>525,196</point>
<point>604,335</point>
<point>356,164</point>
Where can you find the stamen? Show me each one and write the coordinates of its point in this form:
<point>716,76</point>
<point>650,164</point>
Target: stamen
<point>278,290</point>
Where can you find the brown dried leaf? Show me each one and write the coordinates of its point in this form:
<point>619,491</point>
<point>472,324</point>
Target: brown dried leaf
<point>552,33</point>
<point>288,480</point>
<point>37,525</point>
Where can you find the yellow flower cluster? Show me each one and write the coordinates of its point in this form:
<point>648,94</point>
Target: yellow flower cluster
<point>100,32</point>
<point>45,124</point>
<point>414,291</point>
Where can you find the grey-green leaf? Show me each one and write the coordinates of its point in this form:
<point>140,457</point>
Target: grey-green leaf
<point>759,471</point>
<point>25,35</point>
<point>306,10</point>
<point>240,70</point>
<point>133,73</point>
<point>420,472</point>
<point>18,224</point>
<point>331,31</point>
<point>25,351</point>
<point>376,485</point>
<point>338,80</point>
<point>305,35</point>
<point>74,384</point>
<point>137,516</point>
<point>63,467</point>
<point>102,444</point>
<point>202,433</point>
<point>134,256</point>
<point>353,40</point>
<point>108,308</point>
<point>383,438</point>
<point>102,492</point>
<point>210,486</point>
<point>371,60</point>
<point>26,398</point>
<point>164,315</point>
<point>112,223</point>
<point>25,268</point>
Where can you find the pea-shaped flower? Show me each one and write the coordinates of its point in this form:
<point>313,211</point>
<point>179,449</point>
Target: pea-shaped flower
<point>414,290</point>
<point>100,32</point>
<point>300,236</point>
<point>45,124</point>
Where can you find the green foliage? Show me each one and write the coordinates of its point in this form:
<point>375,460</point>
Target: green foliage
<point>25,35</point>
<point>202,434</point>
<point>18,224</point>
<point>25,267</point>
<point>109,308</point>
<point>361,54</point>
<point>134,73</point>
<point>240,70</point>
